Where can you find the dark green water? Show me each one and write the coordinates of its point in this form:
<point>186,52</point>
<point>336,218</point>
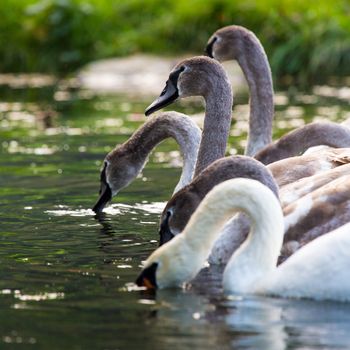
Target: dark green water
<point>66,277</point>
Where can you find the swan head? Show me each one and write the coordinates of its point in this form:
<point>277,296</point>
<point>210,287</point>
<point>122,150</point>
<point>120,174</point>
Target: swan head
<point>228,43</point>
<point>196,76</point>
<point>119,169</point>
<point>177,213</point>
<point>171,265</point>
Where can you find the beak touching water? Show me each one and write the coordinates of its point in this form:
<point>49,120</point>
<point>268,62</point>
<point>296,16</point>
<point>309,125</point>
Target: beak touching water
<point>105,197</point>
<point>147,277</point>
<point>105,191</point>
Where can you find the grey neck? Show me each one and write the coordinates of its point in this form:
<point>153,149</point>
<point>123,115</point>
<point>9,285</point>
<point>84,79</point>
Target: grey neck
<point>256,68</point>
<point>169,124</point>
<point>216,127</point>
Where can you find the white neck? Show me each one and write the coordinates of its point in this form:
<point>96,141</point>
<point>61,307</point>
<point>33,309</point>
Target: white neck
<point>257,256</point>
<point>262,247</point>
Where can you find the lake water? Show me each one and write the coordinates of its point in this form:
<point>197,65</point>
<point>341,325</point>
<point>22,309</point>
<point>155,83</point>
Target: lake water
<point>66,277</point>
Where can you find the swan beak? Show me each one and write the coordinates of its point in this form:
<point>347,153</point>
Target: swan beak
<point>105,197</point>
<point>147,277</point>
<point>209,48</point>
<point>168,95</point>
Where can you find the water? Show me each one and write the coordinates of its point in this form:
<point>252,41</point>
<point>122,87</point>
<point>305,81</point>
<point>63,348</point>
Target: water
<point>66,276</point>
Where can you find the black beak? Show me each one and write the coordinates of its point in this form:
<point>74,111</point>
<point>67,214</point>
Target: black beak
<point>165,234</point>
<point>169,94</point>
<point>209,48</point>
<point>147,277</point>
<point>105,197</point>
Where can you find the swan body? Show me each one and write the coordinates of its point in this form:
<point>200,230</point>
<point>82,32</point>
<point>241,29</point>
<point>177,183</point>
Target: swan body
<point>126,161</point>
<point>319,270</point>
<point>297,141</point>
<point>317,213</point>
<point>291,169</point>
<point>292,192</point>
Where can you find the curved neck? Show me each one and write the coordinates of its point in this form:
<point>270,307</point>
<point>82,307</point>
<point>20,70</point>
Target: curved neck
<point>170,124</point>
<point>217,124</point>
<point>255,66</point>
<point>298,141</point>
<point>260,251</point>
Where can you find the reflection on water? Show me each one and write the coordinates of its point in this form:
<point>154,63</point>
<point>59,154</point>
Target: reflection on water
<point>66,275</point>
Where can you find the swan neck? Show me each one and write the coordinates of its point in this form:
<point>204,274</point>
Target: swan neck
<point>263,209</point>
<point>188,137</point>
<point>171,125</point>
<point>256,259</point>
<point>216,126</point>
<point>256,69</point>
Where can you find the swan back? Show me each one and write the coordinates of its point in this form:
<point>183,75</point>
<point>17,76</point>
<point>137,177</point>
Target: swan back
<point>292,169</point>
<point>295,190</point>
<point>319,270</point>
<point>299,140</point>
<point>318,212</point>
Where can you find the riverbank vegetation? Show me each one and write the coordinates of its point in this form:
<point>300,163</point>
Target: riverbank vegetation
<point>306,41</point>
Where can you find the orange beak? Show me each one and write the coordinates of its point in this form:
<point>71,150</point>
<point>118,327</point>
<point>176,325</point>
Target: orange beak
<point>148,284</point>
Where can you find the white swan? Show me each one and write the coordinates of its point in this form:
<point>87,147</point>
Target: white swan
<point>126,161</point>
<point>319,270</point>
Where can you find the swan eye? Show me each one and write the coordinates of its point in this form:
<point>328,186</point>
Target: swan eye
<point>174,76</point>
<point>165,231</point>
<point>165,221</point>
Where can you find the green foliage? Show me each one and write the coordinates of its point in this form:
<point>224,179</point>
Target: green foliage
<point>306,40</point>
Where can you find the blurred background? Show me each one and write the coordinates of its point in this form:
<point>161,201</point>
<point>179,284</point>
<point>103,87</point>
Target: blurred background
<point>75,79</point>
<point>306,41</point>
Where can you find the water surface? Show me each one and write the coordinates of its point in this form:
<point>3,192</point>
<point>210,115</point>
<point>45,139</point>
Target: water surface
<point>66,276</point>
